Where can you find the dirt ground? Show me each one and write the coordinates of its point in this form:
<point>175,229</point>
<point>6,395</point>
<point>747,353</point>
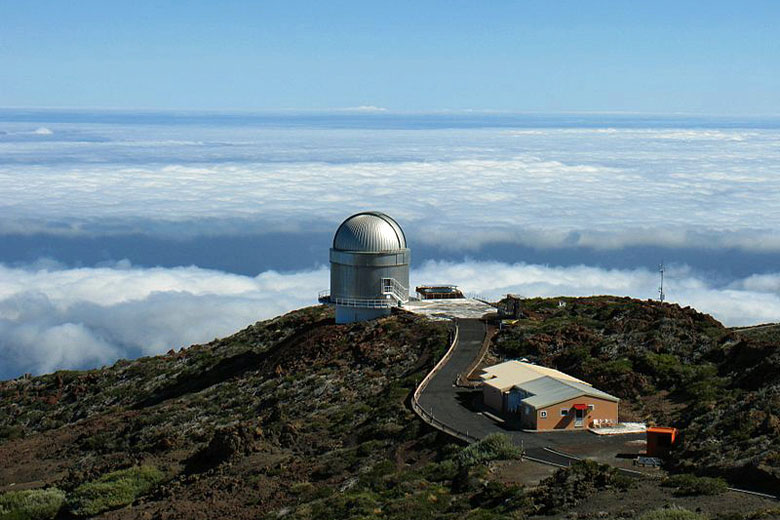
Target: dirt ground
<point>524,472</point>
<point>615,453</point>
<point>648,495</point>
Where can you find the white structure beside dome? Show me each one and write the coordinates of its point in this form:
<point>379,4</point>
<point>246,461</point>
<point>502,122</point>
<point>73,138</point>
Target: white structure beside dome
<point>369,268</point>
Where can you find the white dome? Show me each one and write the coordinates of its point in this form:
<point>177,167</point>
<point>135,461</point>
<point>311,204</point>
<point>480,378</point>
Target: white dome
<point>369,232</point>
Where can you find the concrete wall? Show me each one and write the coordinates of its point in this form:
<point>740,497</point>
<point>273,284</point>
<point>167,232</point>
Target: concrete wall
<point>493,398</point>
<point>513,401</point>
<point>352,314</point>
<point>359,275</point>
<point>528,417</point>
<point>603,409</point>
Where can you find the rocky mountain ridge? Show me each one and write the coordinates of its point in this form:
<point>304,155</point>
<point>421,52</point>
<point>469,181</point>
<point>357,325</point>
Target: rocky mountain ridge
<point>298,417</point>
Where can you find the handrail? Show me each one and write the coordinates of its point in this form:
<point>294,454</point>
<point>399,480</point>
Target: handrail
<point>365,303</point>
<point>393,287</point>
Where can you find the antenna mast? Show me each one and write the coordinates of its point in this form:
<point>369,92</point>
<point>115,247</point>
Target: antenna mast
<point>661,294</point>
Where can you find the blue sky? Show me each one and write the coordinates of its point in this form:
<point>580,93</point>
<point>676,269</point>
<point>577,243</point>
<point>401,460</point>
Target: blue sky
<point>661,57</point>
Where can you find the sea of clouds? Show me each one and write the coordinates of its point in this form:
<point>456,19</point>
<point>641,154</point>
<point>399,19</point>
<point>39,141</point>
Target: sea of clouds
<point>460,188</point>
<point>53,317</point>
<point>710,185</point>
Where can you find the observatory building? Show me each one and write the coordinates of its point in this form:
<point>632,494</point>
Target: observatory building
<point>369,268</point>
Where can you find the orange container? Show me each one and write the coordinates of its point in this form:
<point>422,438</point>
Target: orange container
<point>660,440</point>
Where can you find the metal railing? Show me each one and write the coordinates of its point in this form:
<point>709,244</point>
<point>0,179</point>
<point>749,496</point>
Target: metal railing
<point>392,287</point>
<point>363,303</point>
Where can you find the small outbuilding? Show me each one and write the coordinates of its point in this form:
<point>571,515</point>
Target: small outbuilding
<point>543,398</point>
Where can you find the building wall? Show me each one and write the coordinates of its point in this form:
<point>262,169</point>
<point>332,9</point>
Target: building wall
<point>513,400</point>
<point>528,417</point>
<point>493,398</point>
<point>603,409</point>
<point>353,314</point>
<point>359,275</point>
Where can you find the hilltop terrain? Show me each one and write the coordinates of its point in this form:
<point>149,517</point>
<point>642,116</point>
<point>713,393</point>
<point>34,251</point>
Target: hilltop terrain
<point>298,417</point>
<point>671,366</point>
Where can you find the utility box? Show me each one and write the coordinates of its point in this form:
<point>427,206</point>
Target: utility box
<point>512,306</point>
<point>660,440</point>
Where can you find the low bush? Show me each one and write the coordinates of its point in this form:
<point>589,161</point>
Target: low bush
<point>31,504</point>
<point>11,432</point>
<point>307,492</point>
<point>113,490</point>
<point>691,485</point>
<point>440,471</point>
<point>568,486</point>
<point>361,504</point>
<point>501,498</point>
<point>730,516</point>
<point>672,513</point>
<point>496,446</point>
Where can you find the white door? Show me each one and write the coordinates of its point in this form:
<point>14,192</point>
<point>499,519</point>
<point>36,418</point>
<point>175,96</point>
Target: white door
<point>578,417</point>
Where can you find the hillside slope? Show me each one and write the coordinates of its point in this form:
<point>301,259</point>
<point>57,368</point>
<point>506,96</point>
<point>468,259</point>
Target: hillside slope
<point>235,423</point>
<point>671,366</point>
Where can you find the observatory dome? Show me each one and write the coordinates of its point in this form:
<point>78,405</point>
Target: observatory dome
<point>369,232</point>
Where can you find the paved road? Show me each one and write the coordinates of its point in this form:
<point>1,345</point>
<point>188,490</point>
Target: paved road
<point>456,407</point>
<point>443,399</point>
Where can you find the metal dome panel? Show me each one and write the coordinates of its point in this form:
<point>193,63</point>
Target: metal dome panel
<point>369,232</point>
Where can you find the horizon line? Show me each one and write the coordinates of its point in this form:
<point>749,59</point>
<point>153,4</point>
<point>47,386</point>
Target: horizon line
<point>371,110</point>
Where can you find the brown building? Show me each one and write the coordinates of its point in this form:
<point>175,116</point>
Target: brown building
<point>546,399</point>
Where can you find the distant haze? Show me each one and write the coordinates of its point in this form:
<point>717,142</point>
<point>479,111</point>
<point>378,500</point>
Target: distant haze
<point>126,233</point>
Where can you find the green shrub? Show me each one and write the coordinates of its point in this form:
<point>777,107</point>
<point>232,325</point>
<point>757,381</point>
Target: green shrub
<point>361,504</point>
<point>730,516</point>
<point>484,514</point>
<point>496,446</point>
<point>113,490</point>
<point>440,471</point>
<point>306,491</point>
<point>373,477</point>
<point>672,513</point>
<point>691,485</point>
<point>501,498</point>
<point>11,432</point>
<point>31,504</point>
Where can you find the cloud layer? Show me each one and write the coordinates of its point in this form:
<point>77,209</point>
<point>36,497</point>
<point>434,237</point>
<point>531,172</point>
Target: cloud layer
<point>64,318</point>
<point>52,317</point>
<point>454,182</point>
<point>545,187</point>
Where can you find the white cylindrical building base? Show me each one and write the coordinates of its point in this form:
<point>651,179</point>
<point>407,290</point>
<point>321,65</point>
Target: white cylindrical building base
<point>353,314</point>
